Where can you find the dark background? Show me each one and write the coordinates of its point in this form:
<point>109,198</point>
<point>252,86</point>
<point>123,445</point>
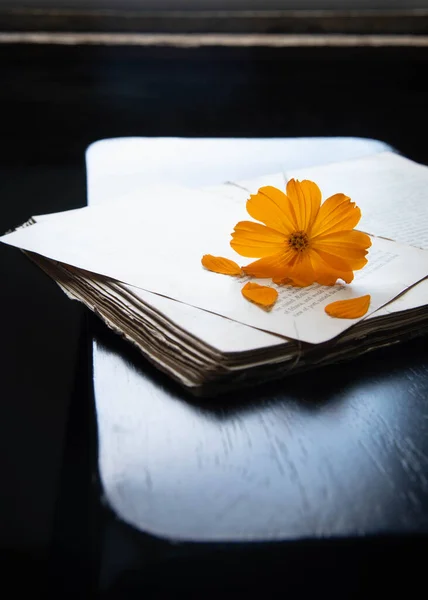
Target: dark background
<point>54,101</point>
<point>151,5</point>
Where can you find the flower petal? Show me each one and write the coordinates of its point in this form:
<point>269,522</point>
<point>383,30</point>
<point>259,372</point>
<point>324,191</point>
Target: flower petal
<point>256,240</point>
<point>262,295</point>
<point>330,277</point>
<point>218,264</point>
<point>349,309</point>
<point>305,198</point>
<point>302,273</point>
<point>299,272</point>
<point>343,250</point>
<point>276,265</point>
<point>327,274</point>
<point>337,213</point>
<point>351,245</point>
<point>335,260</point>
<point>272,207</point>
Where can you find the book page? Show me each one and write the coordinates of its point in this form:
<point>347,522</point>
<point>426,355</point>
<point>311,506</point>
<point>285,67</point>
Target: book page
<point>390,190</point>
<point>221,333</point>
<point>156,243</point>
<point>229,336</point>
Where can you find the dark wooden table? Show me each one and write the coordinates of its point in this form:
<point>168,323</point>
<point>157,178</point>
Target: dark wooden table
<point>54,528</point>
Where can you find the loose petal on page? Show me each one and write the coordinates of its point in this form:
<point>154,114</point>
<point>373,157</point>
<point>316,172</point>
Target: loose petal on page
<point>262,295</point>
<point>218,264</point>
<point>349,309</point>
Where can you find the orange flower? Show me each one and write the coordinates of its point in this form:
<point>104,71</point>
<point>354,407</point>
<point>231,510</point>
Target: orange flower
<point>354,308</point>
<point>301,241</point>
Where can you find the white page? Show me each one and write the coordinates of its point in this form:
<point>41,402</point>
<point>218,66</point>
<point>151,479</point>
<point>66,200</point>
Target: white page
<point>162,254</point>
<point>119,166</point>
<point>130,163</point>
<point>226,335</point>
<point>391,191</point>
<point>415,297</point>
<point>221,333</point>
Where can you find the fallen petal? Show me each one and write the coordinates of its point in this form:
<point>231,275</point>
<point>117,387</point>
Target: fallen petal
<point>218,264</point>
<point>262,295</point>
<point>349,309</point>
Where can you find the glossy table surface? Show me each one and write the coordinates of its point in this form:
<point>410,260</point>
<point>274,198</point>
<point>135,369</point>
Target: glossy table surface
<point>366,453</point>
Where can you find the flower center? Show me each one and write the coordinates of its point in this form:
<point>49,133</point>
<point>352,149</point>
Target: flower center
<point>299,241</point>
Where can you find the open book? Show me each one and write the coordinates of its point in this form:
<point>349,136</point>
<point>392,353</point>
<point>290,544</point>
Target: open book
<point>136,263</point>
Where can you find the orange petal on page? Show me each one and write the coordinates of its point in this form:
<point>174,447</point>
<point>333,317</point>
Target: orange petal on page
<point>349,309</point>
<point>218,264</point>
<point>262,295</point>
